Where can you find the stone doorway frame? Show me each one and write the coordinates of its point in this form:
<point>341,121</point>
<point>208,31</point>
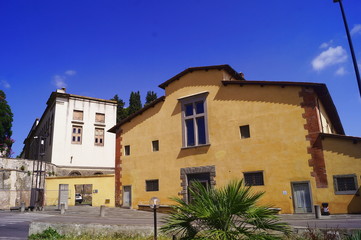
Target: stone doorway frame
<point>193,170</point>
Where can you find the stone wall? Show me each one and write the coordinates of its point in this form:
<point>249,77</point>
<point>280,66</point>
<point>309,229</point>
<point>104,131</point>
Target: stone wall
<point>15,181</point>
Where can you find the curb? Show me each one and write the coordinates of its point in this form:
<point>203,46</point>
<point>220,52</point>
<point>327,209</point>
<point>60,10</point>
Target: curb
<point>76,229</point>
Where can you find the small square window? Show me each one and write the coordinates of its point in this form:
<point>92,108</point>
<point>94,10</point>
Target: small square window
<point>127,150</point>
<point>244,130</point>
<point>155,145</point>
<point>253,178</point>
<point>78,115</point>
<point>152,185</point>
<point>100,117</point>
<point>345,184</point>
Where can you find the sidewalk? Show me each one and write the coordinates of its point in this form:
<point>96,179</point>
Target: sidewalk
<point>78,219</point>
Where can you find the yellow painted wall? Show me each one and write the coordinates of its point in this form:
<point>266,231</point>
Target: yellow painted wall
<point>103,183</point>
<point>342,157</point>
<point>277,144</point>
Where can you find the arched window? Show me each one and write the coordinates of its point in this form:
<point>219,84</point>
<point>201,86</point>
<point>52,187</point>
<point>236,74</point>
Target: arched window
<point>74,173</point>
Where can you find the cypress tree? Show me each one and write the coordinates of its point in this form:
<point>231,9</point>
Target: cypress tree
<point>121,111</point>
<point>151,96</point>
<point>134,102</point>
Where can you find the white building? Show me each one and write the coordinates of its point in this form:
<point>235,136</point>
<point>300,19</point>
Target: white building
<point>73,134</point>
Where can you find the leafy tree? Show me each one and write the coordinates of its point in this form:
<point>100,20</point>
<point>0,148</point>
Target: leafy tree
<point>151,96</point>
<point>121,111</point>
<point>134,102</point>
<point>230,212</point>
<point>6,119</point>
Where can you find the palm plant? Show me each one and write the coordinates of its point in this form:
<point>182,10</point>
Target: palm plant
<point>354,236</point>
<point>225,213</point>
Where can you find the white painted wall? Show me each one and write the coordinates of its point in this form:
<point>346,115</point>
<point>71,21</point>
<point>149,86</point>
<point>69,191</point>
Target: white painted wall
<point>86,154</point>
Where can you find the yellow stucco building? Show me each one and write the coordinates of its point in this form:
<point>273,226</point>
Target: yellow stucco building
<point>212,125</point>
<point>95,190</point>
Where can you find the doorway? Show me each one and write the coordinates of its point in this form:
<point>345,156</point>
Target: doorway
<point>302,197</point>
<point>63,195</point>
<point>83,194</point>
<point>127,196</point>
<point>203,178</point>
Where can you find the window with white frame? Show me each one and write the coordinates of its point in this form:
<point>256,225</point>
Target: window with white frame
<point>345,184</point>
<point>99,137</point>
<point>76,136</point>
<point>194,120</point>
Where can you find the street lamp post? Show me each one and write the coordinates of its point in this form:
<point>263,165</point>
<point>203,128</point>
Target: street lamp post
<point>351,46</point>
<point>154,203</point>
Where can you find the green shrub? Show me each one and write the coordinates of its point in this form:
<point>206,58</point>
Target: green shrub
<point>49,234</point>
<point>354,236</point>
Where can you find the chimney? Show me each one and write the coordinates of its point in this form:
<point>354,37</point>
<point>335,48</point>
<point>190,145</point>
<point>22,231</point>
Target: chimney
<point>242,75</point>
<point>61,90</point>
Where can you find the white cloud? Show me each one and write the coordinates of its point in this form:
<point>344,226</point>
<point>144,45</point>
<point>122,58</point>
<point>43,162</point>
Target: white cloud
<point>356,29</point>
<point>326,44</point>
<point>340,71</point>
<point>70,72</point>
<point>329,57</point>
<point>5,84</point>
<point>59,81</point>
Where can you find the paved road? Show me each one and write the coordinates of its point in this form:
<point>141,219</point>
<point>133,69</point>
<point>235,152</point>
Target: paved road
<point>327,223</point>
<point>15,225</point>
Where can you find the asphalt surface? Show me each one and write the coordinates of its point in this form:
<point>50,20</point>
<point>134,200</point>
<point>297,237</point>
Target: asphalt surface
<point>15,225</point>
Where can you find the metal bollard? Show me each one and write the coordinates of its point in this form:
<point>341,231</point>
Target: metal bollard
<point>317,211</point>
<point>62,208</point>
<point>102,211</point>
<point>22,208</point>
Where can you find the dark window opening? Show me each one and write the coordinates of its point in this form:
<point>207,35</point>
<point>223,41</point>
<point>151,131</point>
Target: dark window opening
<point>345,184</point>
<point>245,133</point>
<point>202,178</point>
<point>127,150</point>
<point>152,185</point>
<point>190,132</point>
<point>253,178</point>
<point>155,145</point>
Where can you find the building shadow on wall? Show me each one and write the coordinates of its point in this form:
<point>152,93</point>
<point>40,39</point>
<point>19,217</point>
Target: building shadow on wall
<point>186,152</point>
<point>148,113</point>
<point>355,203</point>
<point>271,94</point>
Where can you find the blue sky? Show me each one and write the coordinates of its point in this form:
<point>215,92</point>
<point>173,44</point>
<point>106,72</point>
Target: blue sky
<point>102,48</point>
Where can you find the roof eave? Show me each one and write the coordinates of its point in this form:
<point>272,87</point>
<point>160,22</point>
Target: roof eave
<point>129,118</point>
<point>225,67</point>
